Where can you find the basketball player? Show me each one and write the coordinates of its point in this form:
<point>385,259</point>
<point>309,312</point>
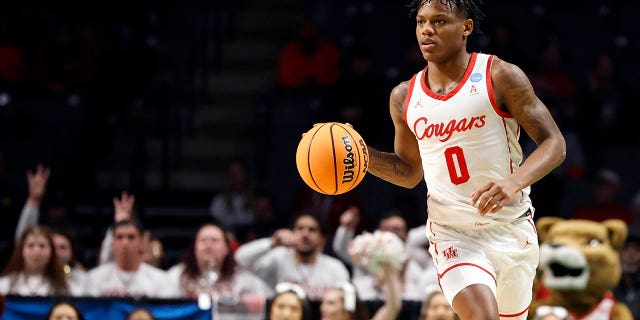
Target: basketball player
<point>457,125</point>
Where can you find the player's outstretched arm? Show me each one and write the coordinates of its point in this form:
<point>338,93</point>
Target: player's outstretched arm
<point>403,167</point>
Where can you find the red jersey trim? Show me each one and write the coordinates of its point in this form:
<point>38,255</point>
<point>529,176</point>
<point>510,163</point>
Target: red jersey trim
<point>506,134</point>
<point>408,97</point>
<point>467,73</point>
<point>513,315</point>
<point>467,264</point>
<point>492,96</point>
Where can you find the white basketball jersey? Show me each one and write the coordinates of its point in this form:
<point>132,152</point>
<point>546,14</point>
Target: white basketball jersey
<point>465,140</point>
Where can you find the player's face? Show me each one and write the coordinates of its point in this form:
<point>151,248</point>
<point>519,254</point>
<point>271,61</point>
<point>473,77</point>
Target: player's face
<point>210,246</point>
<point>36,252</point>
<point>439,309</point>
<point>441,31</point>
<point>127,243</point>
<point>332,307</point>
<point>286,307</point>
<point>307,231</point>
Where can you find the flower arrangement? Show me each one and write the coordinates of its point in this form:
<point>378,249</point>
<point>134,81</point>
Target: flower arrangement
<point>370,250</point>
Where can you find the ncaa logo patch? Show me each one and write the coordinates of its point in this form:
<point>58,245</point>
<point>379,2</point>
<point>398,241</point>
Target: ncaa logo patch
<point>476,77</point>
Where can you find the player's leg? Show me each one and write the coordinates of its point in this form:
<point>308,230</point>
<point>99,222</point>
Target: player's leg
<point>476,302</point>
<point>466,275</point>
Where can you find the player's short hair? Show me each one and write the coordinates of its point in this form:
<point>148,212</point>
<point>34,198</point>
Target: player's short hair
<point>469,8</point>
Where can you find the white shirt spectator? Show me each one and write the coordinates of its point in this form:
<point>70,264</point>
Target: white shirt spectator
<point>24,285</point>
<point>275,265</point>
<point>108,280</point>
<point>243,282</point>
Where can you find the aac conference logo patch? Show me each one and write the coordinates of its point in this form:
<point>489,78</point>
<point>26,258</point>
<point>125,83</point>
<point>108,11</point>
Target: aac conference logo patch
<point>476,77</point>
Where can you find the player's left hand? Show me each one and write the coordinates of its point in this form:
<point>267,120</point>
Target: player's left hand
<point>493,196</point>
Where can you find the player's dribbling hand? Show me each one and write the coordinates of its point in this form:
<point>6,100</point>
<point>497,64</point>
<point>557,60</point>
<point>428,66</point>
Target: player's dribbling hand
<point>492,196</point>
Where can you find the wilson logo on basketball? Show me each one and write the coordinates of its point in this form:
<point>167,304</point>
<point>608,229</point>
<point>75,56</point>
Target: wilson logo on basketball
<point>442,131</point>
<point>348,161</point>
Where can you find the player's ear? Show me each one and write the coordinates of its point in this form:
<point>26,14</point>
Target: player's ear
<point>468,27</point>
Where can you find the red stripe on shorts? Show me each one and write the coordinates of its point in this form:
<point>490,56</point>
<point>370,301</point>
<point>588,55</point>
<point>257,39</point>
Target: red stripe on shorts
<point>467,264</point>
<point>513,315</point>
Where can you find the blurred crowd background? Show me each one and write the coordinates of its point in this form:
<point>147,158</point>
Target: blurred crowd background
<point>180,102</point>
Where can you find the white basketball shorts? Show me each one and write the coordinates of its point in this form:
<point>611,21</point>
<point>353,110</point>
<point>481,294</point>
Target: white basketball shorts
<point>503,257</point>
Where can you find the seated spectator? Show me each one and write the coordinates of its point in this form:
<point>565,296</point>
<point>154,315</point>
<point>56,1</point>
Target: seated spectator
<point>606,204</point>
<point>64,310</point>
<point>140,314</point>
<point>34,268</point>
<point>294,256</point>
<point>232,208</point>
<point>342,302</point>
<point>415,277</point>
<point>436,307</point>
<point>63,241</point>
<point>122,210</point>
<point>128,275</point>
<point>289,303</point>
<point>154,252</point>
<point>210,268</point>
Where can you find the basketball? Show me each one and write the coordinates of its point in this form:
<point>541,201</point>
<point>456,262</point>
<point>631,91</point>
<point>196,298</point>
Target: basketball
<point>332,158</point>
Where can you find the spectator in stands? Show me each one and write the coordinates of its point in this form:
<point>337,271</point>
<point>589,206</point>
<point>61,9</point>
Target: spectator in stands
<point>64,310</point>
<point>294,256</point>
<point>154,252</point>
<point>122,210</point>
<point>140,314</point>
<point>342,301</point>
<point>264,220</point>
<point>128,275</point>
<point>329,208</point>
<point>232,208</point>
<point>289,303</point>
<point>606,112</point>
<point>34,268</point>
<point>63,241</point>
<point>308,61</point>
<point>210,268</point>
<point>605,203</point>
<point>436,307</point>
<point>628,290</point>
<point>368,286</point>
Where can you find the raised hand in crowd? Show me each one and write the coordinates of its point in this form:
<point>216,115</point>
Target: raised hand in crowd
<point>37,184</point>
<point>350,218</point>
<point>123,206</point>
<point>284,237</point>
